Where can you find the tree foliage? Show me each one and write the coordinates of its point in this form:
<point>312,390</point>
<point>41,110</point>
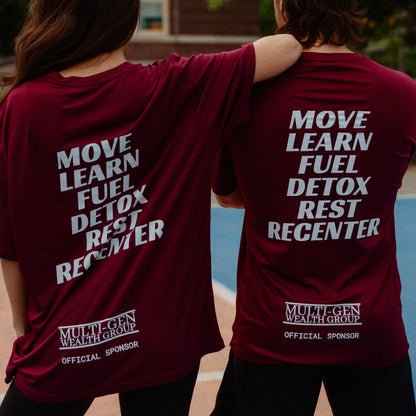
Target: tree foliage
<point>389,27</point>
<point>381,15</point>
<point>11,19</point>
<point>390,18</point>
<point>267,19</point>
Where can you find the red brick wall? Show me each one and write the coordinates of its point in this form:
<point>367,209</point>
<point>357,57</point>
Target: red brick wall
<point>144,51</point>
<point>238,17</point>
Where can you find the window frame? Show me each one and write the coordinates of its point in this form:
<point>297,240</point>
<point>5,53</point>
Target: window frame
<point>165,30</point>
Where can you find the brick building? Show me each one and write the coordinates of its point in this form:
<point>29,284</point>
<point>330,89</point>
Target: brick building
<point>188,26</point>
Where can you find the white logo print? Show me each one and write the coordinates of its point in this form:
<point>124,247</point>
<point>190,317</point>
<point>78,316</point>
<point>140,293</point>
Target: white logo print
<point>323,315</point>
<point>99,332</point>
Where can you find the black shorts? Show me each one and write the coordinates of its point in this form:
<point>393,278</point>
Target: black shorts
<point>173,399</point>
<point>291,389</point>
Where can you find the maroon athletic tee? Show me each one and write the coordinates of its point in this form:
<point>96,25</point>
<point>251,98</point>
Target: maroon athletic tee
<point>105,203</point>
<point>319,166</point>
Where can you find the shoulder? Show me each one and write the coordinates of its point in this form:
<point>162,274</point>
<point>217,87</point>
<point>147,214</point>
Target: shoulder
<point>29,90</point>
<point>14,100</point>
<point>204,61</point>
<point>23,105</point>
<point>19,101</point>
<point>391,77</point>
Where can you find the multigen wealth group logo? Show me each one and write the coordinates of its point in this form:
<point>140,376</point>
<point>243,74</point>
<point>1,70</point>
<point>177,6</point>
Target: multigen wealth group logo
<point>323,315</point>
<point>99,332</point>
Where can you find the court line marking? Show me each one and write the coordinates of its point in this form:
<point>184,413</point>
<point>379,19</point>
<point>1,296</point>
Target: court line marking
<point>408,196</point>
<point>224,292</point>
<point>210,376</point>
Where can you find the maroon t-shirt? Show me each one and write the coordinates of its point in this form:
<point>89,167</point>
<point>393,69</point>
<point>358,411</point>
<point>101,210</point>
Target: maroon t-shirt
<point>105,203</point>
<point>319,166</point>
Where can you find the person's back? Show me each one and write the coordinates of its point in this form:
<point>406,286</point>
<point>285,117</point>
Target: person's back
<point>105,171</point>
<point>110,188</point>
<point>318,167</point>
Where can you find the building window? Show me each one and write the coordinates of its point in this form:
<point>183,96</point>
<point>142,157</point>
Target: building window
<point>154,16</point>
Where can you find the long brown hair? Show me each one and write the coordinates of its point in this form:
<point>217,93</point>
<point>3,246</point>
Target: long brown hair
<point>58,34</point>
<point>335,22</point>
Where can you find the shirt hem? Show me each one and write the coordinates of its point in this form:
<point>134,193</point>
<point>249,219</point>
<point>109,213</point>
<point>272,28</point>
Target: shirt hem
<point>114,389</point>
<point>6,256</point>
<point>263,360</point>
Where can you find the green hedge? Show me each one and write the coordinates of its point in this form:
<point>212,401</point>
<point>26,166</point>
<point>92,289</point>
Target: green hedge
<point>388,55</point>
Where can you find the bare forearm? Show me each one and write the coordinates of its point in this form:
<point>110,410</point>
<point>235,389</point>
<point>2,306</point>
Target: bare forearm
<point>17,293</point>
<point>233,200</point>
<point>274,55</point>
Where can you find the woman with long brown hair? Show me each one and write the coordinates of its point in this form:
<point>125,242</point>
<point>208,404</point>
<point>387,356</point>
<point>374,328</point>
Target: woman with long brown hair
<point>105,171</point>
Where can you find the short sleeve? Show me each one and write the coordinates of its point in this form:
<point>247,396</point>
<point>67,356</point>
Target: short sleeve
<point>217,86</point>
<point>224,179</point>
<point>7,246</point>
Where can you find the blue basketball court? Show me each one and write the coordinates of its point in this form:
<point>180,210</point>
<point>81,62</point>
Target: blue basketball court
<point>225,233</point>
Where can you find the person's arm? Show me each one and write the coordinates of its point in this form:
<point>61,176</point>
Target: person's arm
<point>232,200</point>
<point>224,180</point>
<point>17,293</point>
<point>274,55</point>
